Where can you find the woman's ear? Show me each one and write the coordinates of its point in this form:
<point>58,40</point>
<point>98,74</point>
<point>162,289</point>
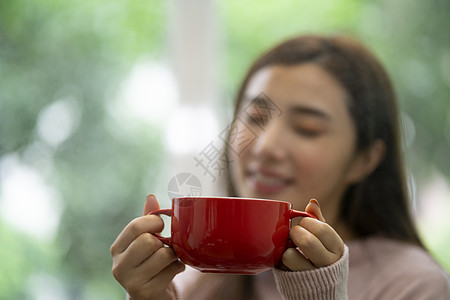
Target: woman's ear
<point>367,161</point>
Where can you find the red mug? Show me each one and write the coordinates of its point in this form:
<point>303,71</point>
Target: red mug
<point>228,234</point>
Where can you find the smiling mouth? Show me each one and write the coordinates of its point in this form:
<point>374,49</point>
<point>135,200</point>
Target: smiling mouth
<point>267,184</point>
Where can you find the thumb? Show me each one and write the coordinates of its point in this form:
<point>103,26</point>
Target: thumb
<point>313,207</point>
<point>151,204</point>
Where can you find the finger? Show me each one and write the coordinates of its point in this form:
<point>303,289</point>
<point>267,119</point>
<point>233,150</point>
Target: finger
<point>164,278</point>
<point>136,276</point>
<point>160,282</point>
<point>313,207</point>
<point>150,205</point>
<point>325,233</point>
<point>144,287</point>
<point>312,247</point>
<point>156,263</point>
<point>149,279</point>
<point>295,261</point>
<point>141,249</point>
<point>148,223</point>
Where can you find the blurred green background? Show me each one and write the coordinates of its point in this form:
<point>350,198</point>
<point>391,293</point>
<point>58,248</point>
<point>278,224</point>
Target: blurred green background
<point>75,166</point>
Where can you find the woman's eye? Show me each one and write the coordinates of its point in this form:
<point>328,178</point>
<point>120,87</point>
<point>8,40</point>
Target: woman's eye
<point>257,119</point>
<point>306,132</point>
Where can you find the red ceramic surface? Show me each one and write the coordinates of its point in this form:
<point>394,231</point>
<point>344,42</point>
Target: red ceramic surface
<point>229,235</point>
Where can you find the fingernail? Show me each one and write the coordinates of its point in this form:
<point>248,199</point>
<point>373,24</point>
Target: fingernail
<point>315,201</point>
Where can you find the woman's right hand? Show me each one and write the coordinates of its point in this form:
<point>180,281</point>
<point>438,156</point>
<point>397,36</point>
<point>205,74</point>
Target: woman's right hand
<point>141,263</point>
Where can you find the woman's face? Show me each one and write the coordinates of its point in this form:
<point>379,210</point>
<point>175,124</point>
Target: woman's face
<point>294,138</point>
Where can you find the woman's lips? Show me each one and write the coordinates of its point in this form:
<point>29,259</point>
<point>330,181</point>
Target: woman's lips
<point>267,184</point>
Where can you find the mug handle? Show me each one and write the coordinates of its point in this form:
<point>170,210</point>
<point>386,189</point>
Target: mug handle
<point>294,214</point>
<point>167,212</point>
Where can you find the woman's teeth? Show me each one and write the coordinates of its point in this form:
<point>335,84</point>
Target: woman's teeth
<point>268,180</point>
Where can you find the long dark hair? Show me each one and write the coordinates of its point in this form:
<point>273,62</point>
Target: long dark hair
<point>380,204</point>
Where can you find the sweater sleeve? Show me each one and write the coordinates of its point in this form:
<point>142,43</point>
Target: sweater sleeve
<point>325,283</point>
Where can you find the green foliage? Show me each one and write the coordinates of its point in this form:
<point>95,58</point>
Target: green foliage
<point>252,29</point>
<point>14,269</point>
<point>423,80</point>
<point>77,50</point>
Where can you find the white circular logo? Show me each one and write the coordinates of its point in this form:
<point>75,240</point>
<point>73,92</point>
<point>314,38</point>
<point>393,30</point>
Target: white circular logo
<point>184,184</point>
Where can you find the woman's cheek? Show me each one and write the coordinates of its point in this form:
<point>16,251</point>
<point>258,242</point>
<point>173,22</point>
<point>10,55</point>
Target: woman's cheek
<point>237,166</point>
<point>309,159</point>
<point>313,168</point>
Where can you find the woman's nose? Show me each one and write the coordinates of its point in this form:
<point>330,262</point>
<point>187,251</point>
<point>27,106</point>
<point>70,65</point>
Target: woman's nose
<point>270,143</point>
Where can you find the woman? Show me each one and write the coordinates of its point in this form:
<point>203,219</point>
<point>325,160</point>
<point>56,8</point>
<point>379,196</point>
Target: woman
<point>321,119</point>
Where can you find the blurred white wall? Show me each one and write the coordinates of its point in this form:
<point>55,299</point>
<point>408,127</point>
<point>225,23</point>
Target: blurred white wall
<point>194,125</point>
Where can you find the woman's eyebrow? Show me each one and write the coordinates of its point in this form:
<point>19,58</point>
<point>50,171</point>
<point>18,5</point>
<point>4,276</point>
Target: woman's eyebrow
<point>262,103</point>
<point>258,99</point>
<point>310,111</point>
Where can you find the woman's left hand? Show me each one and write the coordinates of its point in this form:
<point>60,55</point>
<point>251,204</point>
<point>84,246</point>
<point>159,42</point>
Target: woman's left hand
<point>318,243</point>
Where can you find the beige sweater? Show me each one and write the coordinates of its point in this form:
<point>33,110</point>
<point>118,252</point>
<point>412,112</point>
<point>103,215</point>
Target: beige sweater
<point>374,268</point>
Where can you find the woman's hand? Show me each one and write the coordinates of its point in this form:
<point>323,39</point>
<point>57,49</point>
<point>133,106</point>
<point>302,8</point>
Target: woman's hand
<point>141,263</point>
<point>318,243</point>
